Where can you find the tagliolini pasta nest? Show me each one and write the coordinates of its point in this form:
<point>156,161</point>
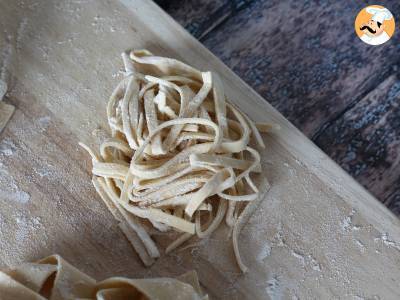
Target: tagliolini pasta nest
<point>178,156</point>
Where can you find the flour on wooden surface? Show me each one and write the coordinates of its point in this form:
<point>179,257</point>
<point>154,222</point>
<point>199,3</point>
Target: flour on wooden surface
<point>13,193</point>
<point>264,252</point>
<point>384,238</point>
<point>299,256</point>
<point>314,263</point>
<point>6,58</point>
<point>360,245</point>
<point>274,289</point>
<point>3,89</point>
<point>347,223</point>
<point>307,260</point>
<point>7,147</point>
<point>9,190</point>
<point>46,171</point>
<point>20,33</point>
<point>44,122</point>
<point>335,234</point>
<point>25,227</point>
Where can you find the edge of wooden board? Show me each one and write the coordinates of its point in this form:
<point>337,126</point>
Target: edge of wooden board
<point>6,112</point>
<point>298,145</point>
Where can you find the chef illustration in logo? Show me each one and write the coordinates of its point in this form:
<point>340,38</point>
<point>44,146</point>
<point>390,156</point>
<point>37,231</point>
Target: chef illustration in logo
<point>375,25</point>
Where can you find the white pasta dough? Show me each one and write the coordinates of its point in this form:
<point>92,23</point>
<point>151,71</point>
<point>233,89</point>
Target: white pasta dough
<point>179,156</point>
<point>53,278</point>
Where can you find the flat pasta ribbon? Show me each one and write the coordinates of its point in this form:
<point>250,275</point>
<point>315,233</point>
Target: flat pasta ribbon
<point>179,155</point>
<point>53,278</point>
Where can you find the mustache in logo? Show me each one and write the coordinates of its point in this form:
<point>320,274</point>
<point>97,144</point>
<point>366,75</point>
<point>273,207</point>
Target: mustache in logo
<point>368,28</point>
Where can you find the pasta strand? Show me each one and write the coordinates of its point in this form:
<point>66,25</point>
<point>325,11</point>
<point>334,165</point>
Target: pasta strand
<point>178,150</point>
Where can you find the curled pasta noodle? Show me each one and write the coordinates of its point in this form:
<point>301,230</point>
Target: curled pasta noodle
<point>53,278</point>
<point>179,155</point>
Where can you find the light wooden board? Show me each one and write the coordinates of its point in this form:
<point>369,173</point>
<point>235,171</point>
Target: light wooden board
<point>6,111</point>
<point>318,234</point>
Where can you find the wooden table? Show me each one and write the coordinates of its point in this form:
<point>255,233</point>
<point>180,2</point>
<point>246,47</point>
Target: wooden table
<point>305,59</point>
<point>318,234</point>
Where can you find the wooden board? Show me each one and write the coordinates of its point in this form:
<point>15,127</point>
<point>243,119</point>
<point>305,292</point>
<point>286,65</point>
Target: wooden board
<point>199,17</point>
<point>305,59</point>
<point>318,234</point>
<point>366,141</point>
<point>6,111</point>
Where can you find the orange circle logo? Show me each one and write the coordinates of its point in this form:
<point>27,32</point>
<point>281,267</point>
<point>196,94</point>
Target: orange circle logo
<point>374,25</point>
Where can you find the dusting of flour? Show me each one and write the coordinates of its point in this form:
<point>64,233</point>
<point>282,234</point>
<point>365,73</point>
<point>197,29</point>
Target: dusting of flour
<point>9,190</point>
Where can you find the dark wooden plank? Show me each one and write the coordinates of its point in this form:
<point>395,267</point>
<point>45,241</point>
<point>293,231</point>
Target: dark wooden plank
<point>304,57</point>
<point>197,16</point>
<point>200,17</point>
<point>393,202</point>
<point>306,60</point>
<point>365,141</point>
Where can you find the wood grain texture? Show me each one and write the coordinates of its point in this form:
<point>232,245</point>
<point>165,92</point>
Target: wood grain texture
<point>317,234</point>
<point>6,111</point>
<point>365,141</point>
<point>305,59</point>
<point>393,202</point>
<point>303,56</point>
<point>198,17</point>
<point>202,17</point>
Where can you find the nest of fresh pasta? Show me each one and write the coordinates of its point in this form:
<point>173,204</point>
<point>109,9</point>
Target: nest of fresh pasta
<point>179,156</point>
